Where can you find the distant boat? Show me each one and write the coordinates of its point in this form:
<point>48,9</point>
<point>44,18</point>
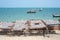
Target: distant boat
<point>34,11</point>
<point>31,11</point>
<point>56,15</point>
<point>40,9</point>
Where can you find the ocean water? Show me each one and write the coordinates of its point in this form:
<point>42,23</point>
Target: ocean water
<point>13,14</point>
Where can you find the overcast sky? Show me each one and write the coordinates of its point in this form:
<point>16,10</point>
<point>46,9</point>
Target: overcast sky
<point>29,3</point>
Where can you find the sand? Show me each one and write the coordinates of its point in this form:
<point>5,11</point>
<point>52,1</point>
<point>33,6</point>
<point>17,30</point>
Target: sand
<point>38,37</point>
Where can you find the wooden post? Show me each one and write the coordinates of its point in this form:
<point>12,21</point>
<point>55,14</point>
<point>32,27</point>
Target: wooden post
<point>27,29</point>
<point>47,30</point>
<point>59,24</point>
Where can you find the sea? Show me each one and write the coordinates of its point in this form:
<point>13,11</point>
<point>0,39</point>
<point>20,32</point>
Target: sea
<point>13,14</point>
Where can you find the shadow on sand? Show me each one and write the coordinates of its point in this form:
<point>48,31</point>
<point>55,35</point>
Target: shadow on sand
<point>30,34</point>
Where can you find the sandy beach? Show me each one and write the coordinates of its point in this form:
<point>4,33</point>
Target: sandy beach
<point>38,37</point>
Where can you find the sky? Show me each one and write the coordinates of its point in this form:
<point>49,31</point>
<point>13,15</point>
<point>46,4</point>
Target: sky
<point>29,3</point>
